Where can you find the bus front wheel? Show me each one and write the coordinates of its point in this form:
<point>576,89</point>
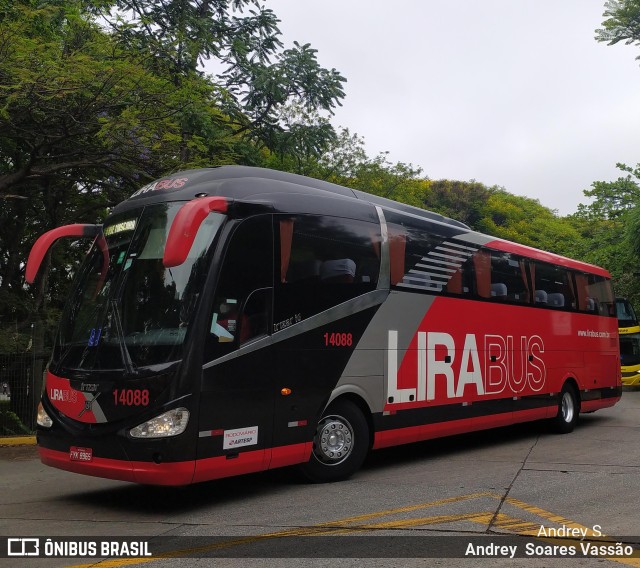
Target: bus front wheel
<point>340,444</point>
<point>568,410</point>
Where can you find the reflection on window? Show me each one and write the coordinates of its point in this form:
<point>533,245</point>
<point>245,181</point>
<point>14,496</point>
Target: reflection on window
<point>323,261</point>
<point>508,278</point>
<point>127,309</point>
<point>242,304</point>
<point>423,261</point>
<point>554,287</point>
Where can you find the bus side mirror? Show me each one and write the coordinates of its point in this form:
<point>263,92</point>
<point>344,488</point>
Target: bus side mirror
<point>44,242</point>
<point>185,227</point>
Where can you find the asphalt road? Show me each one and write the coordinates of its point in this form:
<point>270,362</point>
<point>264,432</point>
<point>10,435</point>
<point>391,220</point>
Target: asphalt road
<point>409,506</point>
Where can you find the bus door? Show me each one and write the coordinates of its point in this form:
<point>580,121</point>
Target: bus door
<point>323,265</point>
<point>236,405</point>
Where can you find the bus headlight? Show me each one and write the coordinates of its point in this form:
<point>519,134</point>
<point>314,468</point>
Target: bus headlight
<point>44,419</point>
<point>170,423</point>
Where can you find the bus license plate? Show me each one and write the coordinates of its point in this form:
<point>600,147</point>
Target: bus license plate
<point>80,454</point>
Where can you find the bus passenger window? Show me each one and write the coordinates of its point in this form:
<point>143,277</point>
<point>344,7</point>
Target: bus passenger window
<point>509,280</point>
<point>323,261</point>
<point>598,290</point>
<point>557,285</point>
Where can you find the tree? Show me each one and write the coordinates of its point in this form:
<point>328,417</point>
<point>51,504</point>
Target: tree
<point>347,163</point>
<point>98,97</point>
<point>618,202</point>
<point>259,80</point>
<point>526,221</point>
<point>83,123</point>
<point>613,199</point>
<point>72,101</point>
<point>460,200</point>
<point>609,228</point>
<point>622,23</point>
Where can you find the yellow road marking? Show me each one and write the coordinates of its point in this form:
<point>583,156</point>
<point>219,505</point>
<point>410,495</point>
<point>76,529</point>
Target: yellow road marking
<point>500,521</point>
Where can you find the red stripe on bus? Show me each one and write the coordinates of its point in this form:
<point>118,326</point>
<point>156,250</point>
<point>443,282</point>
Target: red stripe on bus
<point>290,455</point>
<point>543,256</point>
<point>251,462</point>
<point>388,438</point>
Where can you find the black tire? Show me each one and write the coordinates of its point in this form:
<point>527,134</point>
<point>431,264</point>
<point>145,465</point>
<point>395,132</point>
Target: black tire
<point>340,445</point>
<point>568,410</point>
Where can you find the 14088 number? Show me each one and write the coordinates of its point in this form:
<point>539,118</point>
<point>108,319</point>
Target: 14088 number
<point>131,397</point>
<point>338,339</point>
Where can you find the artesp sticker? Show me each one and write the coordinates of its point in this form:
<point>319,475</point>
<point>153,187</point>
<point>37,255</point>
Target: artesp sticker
<point>240,437</point>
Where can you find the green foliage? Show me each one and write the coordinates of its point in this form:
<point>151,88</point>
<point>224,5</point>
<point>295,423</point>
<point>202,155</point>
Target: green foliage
<point>98,97</point>
<point>10,423</point>
<point>615,211</point>
<point>613,199</point>
<point>259,80</point>
<point>460,200</point>
<point>526,221</point>
<point>610,229</point>
<point>94,104</point>
<point>622,23</point>
<point>346,163</point>
<point>83,123</point>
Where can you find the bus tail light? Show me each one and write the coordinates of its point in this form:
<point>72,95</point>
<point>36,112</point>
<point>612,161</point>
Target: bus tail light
<point>170,423</point>
<point>43,419</point>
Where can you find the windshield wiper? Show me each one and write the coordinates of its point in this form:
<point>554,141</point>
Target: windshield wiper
<point>124,352</point>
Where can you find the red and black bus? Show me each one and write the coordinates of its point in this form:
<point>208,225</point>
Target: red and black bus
<point>234,319</point>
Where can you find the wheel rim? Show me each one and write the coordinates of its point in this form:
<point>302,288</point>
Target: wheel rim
<point>334,440</point>
<point>568,408</point>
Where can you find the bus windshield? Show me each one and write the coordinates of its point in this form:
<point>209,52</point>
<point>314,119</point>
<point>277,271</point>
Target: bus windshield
<point>127,310</point>
<point>626,314</point>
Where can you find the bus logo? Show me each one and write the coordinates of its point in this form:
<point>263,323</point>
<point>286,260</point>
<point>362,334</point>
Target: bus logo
<point>443,371</point>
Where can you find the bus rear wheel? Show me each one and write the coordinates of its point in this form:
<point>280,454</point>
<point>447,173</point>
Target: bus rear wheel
<point>340,444</point>
<point>568,410</point>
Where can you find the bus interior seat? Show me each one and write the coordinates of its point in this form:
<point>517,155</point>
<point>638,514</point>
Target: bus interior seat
<point>556,300</point>
<point>499,290</point>
<point>591,305</point>
<point>338,271</point>
<point>541,297</point>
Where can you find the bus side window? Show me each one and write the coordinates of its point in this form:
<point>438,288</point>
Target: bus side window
<point>242,304</point>
<point>411,262</point>
<point>321,262</point>
<point>557,286</point>
<point>598,289</point>
<point>509,280</point>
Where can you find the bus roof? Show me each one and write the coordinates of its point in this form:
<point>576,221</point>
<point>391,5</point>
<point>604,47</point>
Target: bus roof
<point>287,192</point>
<point>260,185</point>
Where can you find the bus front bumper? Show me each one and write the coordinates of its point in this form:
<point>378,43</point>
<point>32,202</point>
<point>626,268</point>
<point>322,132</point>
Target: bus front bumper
<point>631,376</point>
<point>176,473</point>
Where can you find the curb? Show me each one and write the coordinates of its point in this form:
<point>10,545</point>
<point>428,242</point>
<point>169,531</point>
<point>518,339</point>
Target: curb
<point>18,441</point>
